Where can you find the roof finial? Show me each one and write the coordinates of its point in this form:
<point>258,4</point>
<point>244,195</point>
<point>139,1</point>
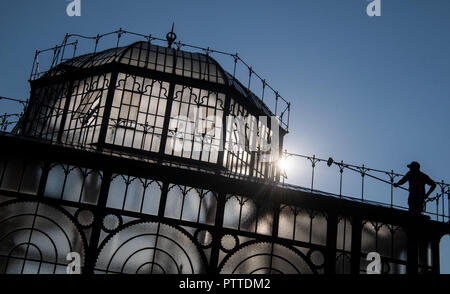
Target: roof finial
<point>171,36</point>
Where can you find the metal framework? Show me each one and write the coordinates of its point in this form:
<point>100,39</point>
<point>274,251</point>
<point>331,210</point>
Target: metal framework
<point>131,99</point>
<point>240,69</point>
<point>127,215</point>
<point>437,206</point>
<point>89,168</point>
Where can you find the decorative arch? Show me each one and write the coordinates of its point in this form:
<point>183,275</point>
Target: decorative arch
<point>150,248</point>
<point>36,237</point>
<point>266,258</point>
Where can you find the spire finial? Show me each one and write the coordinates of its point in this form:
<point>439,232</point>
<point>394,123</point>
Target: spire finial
<point>170,37</point>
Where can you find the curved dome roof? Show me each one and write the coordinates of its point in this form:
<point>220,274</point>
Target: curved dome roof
<point>145,55</point>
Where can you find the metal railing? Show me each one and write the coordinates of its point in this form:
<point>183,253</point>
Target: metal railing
<point>437,205</point>
<point>9,120</point>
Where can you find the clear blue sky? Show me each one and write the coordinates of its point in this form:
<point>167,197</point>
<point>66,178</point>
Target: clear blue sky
<point>364,90</point>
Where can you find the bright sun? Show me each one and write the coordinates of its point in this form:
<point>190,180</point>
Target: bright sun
<point>283,165</point>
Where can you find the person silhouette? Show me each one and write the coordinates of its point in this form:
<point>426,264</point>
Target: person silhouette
<point>417,181</point>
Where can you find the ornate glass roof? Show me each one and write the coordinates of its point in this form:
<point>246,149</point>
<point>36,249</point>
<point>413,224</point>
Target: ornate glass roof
<point>174,61</point>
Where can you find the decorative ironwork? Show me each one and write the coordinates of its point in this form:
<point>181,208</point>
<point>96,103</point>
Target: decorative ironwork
<point>57,56</point>
<point>143,220</point>
<point>104,182</point>
<point>267,258</point>
<point>436,206</point>
<point>36,238</point>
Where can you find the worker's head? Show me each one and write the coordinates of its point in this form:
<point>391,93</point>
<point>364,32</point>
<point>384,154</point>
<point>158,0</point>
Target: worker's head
<point>414,165</point>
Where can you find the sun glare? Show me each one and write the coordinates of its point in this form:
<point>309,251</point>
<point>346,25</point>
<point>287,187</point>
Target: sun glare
<point>283,165</point>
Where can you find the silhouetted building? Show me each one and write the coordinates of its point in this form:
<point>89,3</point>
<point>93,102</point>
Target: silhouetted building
<point>98,165</point>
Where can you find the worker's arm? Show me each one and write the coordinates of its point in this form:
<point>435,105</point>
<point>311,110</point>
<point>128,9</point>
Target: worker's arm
<point>432,185</point>
<point>402,180</point>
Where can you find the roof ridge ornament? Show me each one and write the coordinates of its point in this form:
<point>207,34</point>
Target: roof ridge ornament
<point>171,37</point>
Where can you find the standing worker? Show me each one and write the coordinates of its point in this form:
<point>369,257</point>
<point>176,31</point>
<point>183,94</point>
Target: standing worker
<point>417,181</point>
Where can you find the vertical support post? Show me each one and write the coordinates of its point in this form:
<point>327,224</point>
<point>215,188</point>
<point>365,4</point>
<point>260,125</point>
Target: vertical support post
<point>75,48</point>
<point>448,205</point>
<point>435,255</point>
<point>236,57</point>
<point>97,38</point>
<point>107,112</point>
<point>392,178</point>
<point>218,224</point>
<point>443,199</point>
<point>313,165</point>
<point>65,110</point>
<point>330,263</point>
<point>250,71</point>
<point>289,115</point>
<point>252,167</point>
<point>163,200</point>
<point>64,44</point>
<point>263,89</point>
<point>412,248</point>
<point>119,34</point>
<point>223,140</point>
<point>363,173</point>
<point>276,217</point>
<point>341,171</point>
<point>437,207</point>
<point>276,102</point>
<point>356,245</point>
<point>253,162</point>
<point>43,180</point>
<point>165,131</point>
<point>280,155</point>
<point>275,224</point>
<point>99,213</point>
<point>35,64</point>
<point>54,58</point>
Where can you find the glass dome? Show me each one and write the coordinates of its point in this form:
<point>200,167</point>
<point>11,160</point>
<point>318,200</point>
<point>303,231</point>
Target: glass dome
<point>152,100</point>
<point>153,57</point>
